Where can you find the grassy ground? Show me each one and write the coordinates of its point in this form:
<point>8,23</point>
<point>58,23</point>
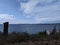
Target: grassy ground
<point>54,42</point>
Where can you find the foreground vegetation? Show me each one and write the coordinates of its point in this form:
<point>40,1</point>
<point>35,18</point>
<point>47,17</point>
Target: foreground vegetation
<point>41,38</point>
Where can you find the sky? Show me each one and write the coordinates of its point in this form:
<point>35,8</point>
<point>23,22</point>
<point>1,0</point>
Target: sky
<point>29,11</point>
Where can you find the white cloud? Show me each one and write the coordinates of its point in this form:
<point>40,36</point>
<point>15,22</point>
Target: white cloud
<point>41,10</point>
<point>30,6</point>
<point>47,20</point>
<point>6,18</point>
<point>11,19</point>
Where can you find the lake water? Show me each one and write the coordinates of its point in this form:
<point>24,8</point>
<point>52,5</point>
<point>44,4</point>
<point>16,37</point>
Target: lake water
<point>30,28</point>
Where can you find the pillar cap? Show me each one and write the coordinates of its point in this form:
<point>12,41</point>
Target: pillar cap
<point>6,22</point>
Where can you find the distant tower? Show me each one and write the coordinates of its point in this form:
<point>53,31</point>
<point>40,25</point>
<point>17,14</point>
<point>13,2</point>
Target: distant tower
<point>5,30</point>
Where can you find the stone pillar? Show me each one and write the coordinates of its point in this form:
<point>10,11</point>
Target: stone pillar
<point>5,29</point>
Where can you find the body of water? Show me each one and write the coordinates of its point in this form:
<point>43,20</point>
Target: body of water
<point>30,28</point>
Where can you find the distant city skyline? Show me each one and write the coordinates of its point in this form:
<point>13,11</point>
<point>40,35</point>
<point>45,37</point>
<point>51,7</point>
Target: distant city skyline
<point>29,11</point>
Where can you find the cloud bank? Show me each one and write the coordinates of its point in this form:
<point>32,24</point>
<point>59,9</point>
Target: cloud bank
<point>8,18</point>
<point>32,5</point>
<point>31,11</point>
<point>12,19</point>
<point>41,10</point>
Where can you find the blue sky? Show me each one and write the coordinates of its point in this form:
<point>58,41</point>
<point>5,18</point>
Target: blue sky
<point>29,11</point>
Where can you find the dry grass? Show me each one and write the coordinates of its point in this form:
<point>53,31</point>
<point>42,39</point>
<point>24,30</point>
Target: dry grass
<point>37,43</point>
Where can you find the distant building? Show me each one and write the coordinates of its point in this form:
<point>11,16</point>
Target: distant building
<point>5,29</point>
